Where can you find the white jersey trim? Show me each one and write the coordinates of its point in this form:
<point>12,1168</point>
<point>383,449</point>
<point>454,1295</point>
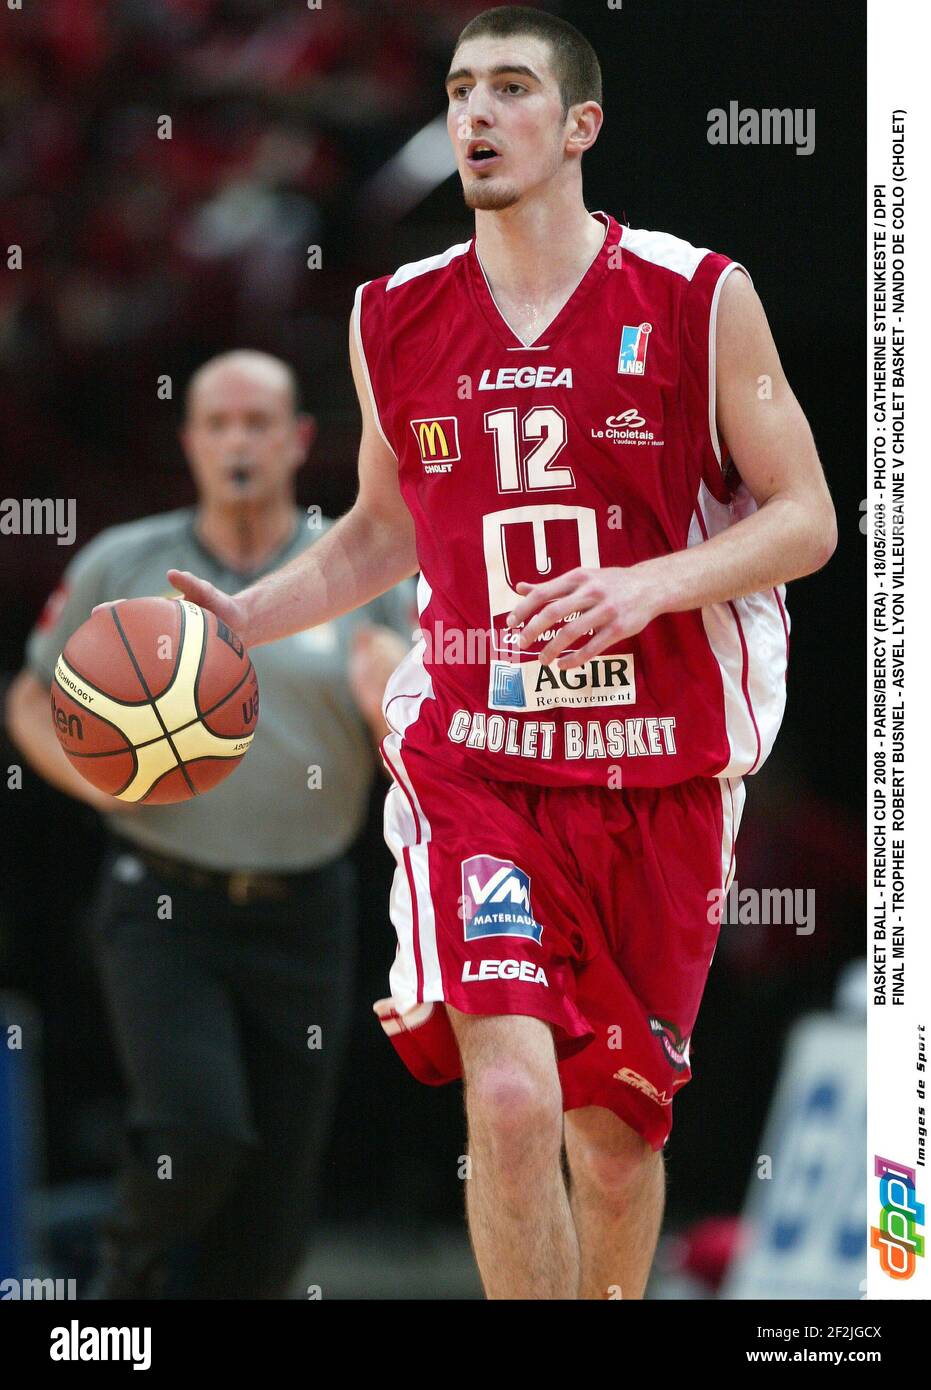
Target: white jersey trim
<point>413,269</point>
<point>410,683</point>
<point>662,248</point>
<point>357,329</point>
<point>748,637</point>
<point>712,355</point>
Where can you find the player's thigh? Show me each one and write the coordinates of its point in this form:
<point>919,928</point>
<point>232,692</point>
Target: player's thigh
<point>509,1065</point>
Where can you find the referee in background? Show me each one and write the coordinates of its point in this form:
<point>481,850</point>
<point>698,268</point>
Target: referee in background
<point>225,927</point>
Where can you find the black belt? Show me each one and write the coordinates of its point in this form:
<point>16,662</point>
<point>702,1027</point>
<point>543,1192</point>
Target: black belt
<point>240,888</point>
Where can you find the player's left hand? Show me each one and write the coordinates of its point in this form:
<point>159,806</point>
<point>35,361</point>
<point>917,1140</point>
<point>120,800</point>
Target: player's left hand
<point>609,605</point>
<point>374,653</point>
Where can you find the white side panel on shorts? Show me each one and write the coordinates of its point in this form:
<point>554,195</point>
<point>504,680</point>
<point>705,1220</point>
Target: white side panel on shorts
<point>429,954</point>
<point>406,826</point>
<point>733,796</point>
<point>403,974</point>
<point>410,903</point>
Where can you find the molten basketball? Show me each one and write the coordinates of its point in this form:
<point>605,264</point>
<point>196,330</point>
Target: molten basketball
<point>154,700</point>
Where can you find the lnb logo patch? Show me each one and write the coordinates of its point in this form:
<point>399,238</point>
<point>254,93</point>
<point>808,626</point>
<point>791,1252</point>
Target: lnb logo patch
<point>496,899</point>
<point>635,339</point>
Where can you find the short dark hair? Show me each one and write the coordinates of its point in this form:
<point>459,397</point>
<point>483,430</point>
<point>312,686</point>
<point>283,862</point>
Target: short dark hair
<point>574,61</point>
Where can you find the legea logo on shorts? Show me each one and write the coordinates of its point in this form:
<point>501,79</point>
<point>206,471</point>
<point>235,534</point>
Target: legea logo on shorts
<point>504,970</point>
<point>495,899</point>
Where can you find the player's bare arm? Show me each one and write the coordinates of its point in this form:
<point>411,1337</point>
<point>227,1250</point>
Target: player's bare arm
<point>367,552</point>
<point>29,726</point>
<point>376,652</point>
<point>793,532</point>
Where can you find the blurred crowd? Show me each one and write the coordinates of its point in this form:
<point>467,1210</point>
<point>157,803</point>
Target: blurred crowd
<point>164,168</point>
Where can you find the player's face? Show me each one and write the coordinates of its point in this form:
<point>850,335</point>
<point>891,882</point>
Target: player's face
<point>242,437</point>
<point>503,91</point>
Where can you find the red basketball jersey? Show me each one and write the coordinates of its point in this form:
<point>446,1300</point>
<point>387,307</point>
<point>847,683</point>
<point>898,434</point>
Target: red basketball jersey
<point>595,445</point>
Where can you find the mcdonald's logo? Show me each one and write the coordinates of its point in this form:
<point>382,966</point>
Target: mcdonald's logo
<point>437,440</point>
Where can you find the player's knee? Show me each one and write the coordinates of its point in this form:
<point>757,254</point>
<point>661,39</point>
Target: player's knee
<point>612,1168</point>
<point>515,1107</point>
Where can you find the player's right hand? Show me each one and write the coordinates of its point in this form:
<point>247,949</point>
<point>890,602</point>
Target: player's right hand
<point>208,596</point>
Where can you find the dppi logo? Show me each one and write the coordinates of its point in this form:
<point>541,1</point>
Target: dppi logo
<point>896,1236</point>
<point>495,899</point>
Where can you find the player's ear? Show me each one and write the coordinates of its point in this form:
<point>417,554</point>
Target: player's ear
<point>585,121</point>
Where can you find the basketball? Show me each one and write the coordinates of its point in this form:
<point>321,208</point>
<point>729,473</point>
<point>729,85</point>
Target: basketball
<point>154,700</point>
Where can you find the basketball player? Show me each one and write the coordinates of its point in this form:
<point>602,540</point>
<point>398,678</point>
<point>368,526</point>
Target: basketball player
<point>582,436</point>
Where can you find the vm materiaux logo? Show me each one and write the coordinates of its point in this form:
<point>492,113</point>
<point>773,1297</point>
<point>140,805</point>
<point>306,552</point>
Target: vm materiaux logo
<point>438,442</point>
<point>632,359</point>
<point>896,1237</point>
<point>496,899</point>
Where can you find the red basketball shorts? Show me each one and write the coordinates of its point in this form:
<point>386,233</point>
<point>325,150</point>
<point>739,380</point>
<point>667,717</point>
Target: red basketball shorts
<point>596,910</point>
